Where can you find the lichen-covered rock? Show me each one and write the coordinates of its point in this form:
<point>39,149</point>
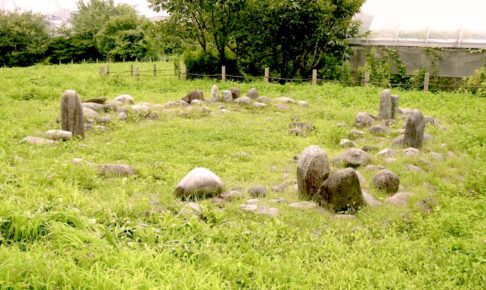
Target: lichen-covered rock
<point>341,191</point>
<point>284,100</point>
<point>411,152</point>
<point>356,134</point>
<point>259,105</point>
<point>387,152</point>
<point>89,114</point>
<point>94,106</point>
<point>199,183</point>
<point>387,181</point>
<point>399,198</point>
<point>346,143</point>
<point>312,170</point>
<point>263,99</point>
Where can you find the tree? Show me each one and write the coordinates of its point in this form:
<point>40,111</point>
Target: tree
<point>290,36</point>
<point>23,38</point>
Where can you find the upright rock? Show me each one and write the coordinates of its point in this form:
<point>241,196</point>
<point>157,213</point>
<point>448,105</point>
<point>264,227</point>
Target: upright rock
<point>199,183</point>
<point>72,113</point>
<point>414,130</point>
<point>385,105</point>
<point>341,191</point>
<point>312,170</point>
<point>227,96</point>
<point>194,95</point>
<point>214,94</point>
<point>252,93</point>
<point>395,100</point>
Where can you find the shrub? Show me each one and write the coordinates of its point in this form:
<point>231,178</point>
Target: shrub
<point>201,63</point>
<point>477,82</point>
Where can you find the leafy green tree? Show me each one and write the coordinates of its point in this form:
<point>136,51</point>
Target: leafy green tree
<point>292,37</point>
<point>23,38</point>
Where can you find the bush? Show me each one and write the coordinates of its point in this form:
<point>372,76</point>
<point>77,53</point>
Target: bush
<point>477,82</point>
<point>200,64</point>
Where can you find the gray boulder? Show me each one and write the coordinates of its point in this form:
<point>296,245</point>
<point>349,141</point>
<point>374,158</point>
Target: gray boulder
<point>258,191</point>
<point>252,93</point>
<point>89,114</point>
<point>284,100</point>
<point>341,191</point>
<point>125,99</point>
<point>265,100</point>
<point>399,199</point>
<point>122,116</point>
<point>363,120</point>
<point>387,152</point>
<point>379,129</point>
<point>235,93</point>
<point>312,170</point>
<point>227,96</point>
<point>411,152</point>
<point>387,181</point>
<point>356,134</point>
<point>59,135</point>
<point>354,158</point>
<point>259,105</point>
<point>243,100</point>
<point>194,95</point>
<point>385,105</point>
<point>94,106</point>
<point>303,103</point>
<point>38,141</point>
<point>116,170</point>
<point>346,143</point>
<point>199,183</point>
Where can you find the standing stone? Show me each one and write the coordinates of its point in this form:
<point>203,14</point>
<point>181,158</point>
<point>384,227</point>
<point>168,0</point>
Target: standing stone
<point>199,183</point>
<point>387,181</point>
<point>385,105</point>
<point>227,96</point>
<point>72,113</point>
<point>214,94</point>
<point>414,130</point>
<point>235,92</point>
<point>395,106</point>
<point>252,93</point>
<point>194,95</point>
<point>341,191</point>
<point>312,170</point>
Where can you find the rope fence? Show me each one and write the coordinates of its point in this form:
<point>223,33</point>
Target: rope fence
<point>182,73</point>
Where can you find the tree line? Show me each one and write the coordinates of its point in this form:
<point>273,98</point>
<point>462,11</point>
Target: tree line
<point>291,37</point>
<point>99,29</point>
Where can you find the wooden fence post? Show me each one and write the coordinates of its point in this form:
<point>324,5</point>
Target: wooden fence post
<point>102,71</point>
<point>184,72</point>
<point>426,82</point>
<point>223,74</point>
<point>366,79</point>
<point>137,73</point>
<point>107,69</point>
<point>314,77</point>
<point>155,70</point>
<point>131,70</point>
<point>267,75</point>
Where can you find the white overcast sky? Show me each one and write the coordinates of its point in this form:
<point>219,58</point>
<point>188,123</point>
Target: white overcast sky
<point>410,14</point>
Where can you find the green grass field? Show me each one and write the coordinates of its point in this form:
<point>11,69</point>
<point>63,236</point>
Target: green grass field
<point>64,226</point>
